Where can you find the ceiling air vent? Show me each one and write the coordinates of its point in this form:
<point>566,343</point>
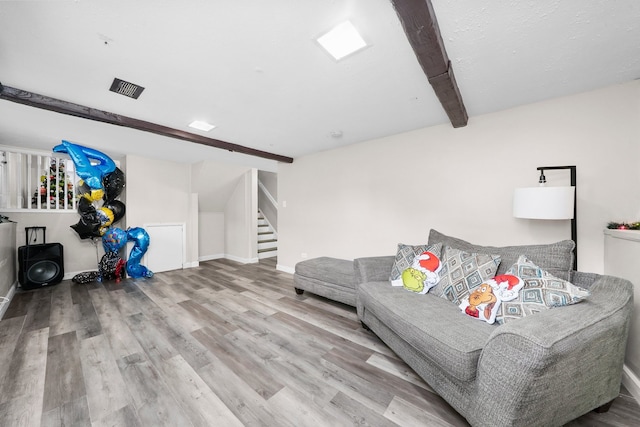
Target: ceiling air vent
<point>125,88</point>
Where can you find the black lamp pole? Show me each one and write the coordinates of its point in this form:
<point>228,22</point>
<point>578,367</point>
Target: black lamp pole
<point>574,222</point>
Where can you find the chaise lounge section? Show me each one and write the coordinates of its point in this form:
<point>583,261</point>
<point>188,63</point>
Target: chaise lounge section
<point>542,370</point>
<point>331,278</point>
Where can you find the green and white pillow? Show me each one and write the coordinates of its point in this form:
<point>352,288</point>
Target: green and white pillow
<point>541,291</point>
<point>463,272</point>
<point>416,267</point>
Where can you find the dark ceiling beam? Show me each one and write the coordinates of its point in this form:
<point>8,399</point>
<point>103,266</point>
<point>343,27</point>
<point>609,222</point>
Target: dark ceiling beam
<point>68,108</point>
<point>421,26</point>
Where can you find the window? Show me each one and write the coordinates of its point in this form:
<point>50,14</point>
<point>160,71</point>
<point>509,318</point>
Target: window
<point>36,181</point>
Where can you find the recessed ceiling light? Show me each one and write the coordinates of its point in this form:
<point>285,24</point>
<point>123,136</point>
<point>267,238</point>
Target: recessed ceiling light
<point>200,125</point>
<point>342,40</point>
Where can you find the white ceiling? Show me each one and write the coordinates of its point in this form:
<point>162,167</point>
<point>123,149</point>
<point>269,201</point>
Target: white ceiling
<point>254,69</point>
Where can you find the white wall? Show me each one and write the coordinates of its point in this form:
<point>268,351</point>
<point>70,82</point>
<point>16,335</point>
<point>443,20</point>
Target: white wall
<point>211,236</point>
<point>363,199</point>
<point>159,192</point>
<point>270,181</point>
<point>215,183</point>
<point>268,205</point>
<point>241,220</point>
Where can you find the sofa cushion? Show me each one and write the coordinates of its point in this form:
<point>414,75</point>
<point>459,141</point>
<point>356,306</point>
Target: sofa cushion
<point>454,342</point>
<point>556,258</point>
<point>416,267</point>
<point>541,291</point>
<point>463,272</point>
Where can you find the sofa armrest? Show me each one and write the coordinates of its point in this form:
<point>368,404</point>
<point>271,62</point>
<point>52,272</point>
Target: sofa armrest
<point>558,364</point>
<point>372,269</point>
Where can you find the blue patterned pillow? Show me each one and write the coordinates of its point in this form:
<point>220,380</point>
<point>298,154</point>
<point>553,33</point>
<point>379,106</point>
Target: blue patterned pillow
<point>463,272</point>
<point>541,291</point>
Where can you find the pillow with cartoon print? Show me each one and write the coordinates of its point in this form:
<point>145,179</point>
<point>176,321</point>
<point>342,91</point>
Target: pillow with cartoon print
<point>484,301</point>
<point>416,267</point>
<point>462,272</point>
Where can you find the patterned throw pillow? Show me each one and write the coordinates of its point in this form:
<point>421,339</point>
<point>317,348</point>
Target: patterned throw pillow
<point>484,302</point>
<point>463,272</point>
<point>416,267</point>
<point>541,291</point>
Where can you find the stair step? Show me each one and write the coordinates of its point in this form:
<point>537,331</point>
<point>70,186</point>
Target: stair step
<point>271,254</point>
<point>267,240</point>
<point>260,251</point>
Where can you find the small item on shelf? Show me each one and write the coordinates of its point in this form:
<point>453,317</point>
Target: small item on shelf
<point>623,226</point>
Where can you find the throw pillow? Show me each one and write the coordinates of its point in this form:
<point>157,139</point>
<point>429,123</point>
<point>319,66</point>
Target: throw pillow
<point>541,291</point>
<point>556,258</point>
<point>463,272</point>
<point>484,302</point>
<point>416,267</point>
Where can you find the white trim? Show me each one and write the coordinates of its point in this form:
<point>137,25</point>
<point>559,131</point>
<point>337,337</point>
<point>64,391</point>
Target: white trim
<point>36,152</point>
<point>9,297</point>
<point>210,257</point>
<point>193,264</point>
<point>633,235</point>
<point>266,192</point>
<point>242,260</point>
<point>286,269</point>
<point>41,211</point>
<point>631,382</point>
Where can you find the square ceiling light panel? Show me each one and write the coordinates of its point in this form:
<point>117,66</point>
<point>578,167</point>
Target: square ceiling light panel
<point>200,125</point>
<point>342,40</point>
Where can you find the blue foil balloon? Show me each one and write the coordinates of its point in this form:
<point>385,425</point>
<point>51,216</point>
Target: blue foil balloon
<point>114,239</point>
<point>92,174</point>
<point>140,239</point>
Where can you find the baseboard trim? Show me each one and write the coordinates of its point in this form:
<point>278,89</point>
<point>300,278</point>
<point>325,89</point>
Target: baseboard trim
<point>631,381</point>
<point>210,257</point>
<point>242,260</point>
<point>286,269</point>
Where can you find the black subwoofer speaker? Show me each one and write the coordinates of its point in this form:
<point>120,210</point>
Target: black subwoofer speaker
<point>40,265</point>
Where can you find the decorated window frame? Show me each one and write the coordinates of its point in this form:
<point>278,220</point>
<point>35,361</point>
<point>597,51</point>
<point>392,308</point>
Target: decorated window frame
<point>36,181</point>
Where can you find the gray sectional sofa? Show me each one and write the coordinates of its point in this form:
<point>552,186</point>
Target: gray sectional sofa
<point>543,370</point>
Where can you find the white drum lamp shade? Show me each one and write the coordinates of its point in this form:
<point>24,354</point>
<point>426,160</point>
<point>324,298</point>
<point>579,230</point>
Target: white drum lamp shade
<point>550,202</point>
<point>544,202</point>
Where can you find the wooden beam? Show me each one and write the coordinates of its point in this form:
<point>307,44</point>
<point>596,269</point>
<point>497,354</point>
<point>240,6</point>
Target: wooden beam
<point>68,108</point>
<point>421,27</point>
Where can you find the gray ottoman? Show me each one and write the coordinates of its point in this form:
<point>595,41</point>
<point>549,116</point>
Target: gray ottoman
<point>328,277</point>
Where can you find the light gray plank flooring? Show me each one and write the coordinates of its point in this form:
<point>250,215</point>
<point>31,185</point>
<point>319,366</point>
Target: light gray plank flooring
<point>223,344</point>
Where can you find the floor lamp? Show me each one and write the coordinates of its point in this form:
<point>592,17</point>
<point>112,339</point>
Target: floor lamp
<point>549,202</point>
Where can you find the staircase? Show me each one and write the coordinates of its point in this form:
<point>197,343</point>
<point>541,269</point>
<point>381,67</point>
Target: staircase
<point>267,239</point>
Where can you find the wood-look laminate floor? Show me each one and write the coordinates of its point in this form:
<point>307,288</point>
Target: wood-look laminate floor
<point>223,344</point>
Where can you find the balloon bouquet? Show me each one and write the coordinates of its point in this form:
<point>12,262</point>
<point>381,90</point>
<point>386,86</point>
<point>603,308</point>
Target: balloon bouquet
<point>102,182</point>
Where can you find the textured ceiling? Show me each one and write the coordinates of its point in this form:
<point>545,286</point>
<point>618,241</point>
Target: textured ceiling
<point>254,69</point>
